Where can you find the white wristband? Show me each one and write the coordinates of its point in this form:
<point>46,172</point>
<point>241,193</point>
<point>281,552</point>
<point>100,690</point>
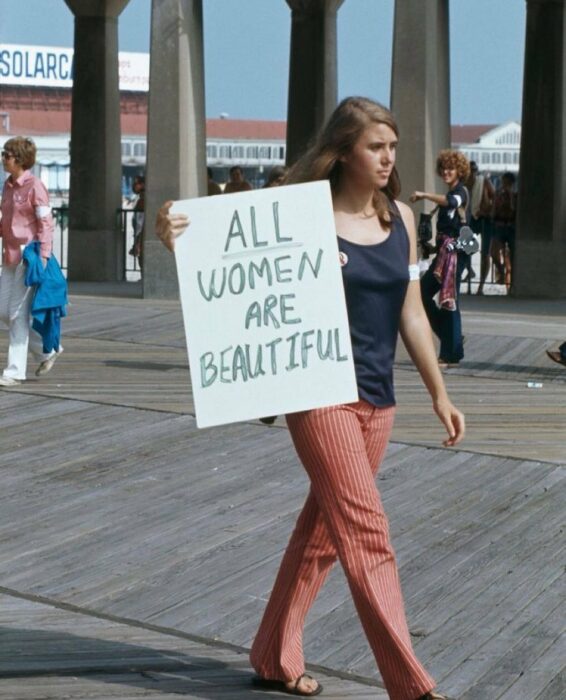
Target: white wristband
<point>42,211</point>
<point>414,272</point>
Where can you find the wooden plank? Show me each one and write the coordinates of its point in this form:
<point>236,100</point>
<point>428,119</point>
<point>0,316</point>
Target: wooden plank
<point>46,652</point>
<point>117,503</point>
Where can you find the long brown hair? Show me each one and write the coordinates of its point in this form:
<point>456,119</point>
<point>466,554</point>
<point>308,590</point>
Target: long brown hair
<point>345,126</point>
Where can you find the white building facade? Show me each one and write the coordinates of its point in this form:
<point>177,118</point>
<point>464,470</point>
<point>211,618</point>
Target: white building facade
<point>495,151</point>
<point>38,75</point>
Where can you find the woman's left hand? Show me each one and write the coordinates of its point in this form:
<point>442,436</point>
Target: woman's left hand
<point>452,419</point>
<point>416,196</point>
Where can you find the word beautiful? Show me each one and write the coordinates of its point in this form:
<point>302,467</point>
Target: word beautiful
<point>242,361</point>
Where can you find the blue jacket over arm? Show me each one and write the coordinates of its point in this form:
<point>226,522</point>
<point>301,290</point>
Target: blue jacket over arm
<point>49,303</point>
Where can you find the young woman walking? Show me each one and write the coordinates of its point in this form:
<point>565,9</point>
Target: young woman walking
<point>445,272</point>
<point>342,446</point>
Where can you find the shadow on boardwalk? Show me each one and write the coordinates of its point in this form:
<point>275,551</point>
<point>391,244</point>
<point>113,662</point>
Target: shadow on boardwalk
<point>39,653</point>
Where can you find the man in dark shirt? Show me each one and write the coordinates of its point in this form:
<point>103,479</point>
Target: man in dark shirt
<point>237,183</point>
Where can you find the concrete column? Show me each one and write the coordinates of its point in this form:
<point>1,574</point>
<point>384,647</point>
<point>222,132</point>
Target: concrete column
<point>176,158</point>
<point>96,248</point>
<point>420,92</point>
<point>541,225</point>
<point>312,73</point>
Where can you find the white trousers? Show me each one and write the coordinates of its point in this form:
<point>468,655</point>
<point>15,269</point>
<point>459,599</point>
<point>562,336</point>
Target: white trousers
<point>15,312</point>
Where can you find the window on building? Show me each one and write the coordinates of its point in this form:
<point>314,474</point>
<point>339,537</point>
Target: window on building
<point>224,151</point>
<point>516,158</point>
<point>139,149</point>
<point>237,151</point>
<point>62,175</point>
<point>264,152</point>
<point>126,148</point>
<point>251,152</point>
<point>485,158</point>
<point>212,152</point>
<point>496,158</point>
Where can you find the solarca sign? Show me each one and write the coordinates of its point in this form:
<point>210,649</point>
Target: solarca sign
<point>50,66</point>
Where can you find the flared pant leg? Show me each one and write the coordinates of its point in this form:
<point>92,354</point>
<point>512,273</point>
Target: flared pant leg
<point>447,325</point>
<point>15,311</point>
<point>341,448</point>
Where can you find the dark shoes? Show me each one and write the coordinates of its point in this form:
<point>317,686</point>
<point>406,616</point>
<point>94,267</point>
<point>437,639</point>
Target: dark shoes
<point>294,689</point>
<point>433,696</point>
<point>444,364</point>
<point>556,356</point>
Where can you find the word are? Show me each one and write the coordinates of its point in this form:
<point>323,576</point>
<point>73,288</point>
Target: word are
<point>245,362</point>
<point>274,310</point>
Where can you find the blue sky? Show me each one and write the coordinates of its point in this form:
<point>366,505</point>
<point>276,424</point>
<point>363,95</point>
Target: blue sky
<point>247,51</point>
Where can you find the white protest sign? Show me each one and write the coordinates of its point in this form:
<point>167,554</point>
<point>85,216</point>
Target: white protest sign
<point>263,304</point>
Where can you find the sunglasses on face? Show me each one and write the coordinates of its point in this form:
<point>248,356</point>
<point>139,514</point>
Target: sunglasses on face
<point>7,155</point>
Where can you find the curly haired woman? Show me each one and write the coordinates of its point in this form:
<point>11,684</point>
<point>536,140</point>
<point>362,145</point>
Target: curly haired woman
<point>445,271</point>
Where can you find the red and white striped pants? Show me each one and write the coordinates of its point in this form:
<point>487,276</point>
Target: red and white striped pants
<point>341,448</point>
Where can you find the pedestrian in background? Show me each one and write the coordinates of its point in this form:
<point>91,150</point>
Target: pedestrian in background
<point>138,218</point>
<point>26,217</point>
<point>481,204</point>
<point>504,214</point>
<point>276,176</point>
<point>212,186</point>
<point>342,446</point>
<point>237,183</point>
<point>445,272</point>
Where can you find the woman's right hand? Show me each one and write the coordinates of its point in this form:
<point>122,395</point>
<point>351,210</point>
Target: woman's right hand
<point>168,226</point>
<point>416,196</point>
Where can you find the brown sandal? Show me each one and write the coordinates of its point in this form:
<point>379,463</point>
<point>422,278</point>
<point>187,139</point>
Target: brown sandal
<point>267,684</point>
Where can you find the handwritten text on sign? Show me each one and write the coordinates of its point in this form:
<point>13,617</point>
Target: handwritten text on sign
<point>263,304</point>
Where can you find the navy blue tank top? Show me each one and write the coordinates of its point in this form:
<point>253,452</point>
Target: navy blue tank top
<point>376,278</point>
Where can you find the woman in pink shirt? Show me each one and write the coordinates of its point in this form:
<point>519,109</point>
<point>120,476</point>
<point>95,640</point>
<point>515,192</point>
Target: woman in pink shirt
<point>26,217</point>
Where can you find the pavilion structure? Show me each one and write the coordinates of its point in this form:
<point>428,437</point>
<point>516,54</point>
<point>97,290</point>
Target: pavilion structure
<point>420,99</point>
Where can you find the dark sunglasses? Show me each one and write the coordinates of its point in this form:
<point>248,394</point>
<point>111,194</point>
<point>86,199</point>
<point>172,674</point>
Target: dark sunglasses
<point>7,155</point>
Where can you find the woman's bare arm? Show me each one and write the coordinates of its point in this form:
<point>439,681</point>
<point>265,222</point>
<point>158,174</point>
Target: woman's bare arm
<point>439,199</point>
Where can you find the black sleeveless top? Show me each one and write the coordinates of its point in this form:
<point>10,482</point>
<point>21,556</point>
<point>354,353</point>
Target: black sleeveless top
<point>376,278</point>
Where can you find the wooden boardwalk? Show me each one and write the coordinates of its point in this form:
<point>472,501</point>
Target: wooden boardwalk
<point>137,552</point>
<point>55,652</point>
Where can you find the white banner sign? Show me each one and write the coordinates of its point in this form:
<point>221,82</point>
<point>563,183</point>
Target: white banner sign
<point>263,304</point>
<point>51,66</point>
